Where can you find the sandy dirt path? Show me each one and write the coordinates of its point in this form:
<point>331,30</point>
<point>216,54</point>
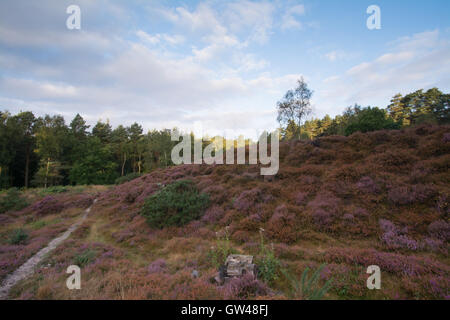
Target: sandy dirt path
<point>27,268</point>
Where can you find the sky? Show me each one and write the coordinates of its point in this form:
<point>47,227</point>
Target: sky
<point>216,65</point>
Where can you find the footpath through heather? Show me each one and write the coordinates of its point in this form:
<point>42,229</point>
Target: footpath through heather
<point>27,268</point>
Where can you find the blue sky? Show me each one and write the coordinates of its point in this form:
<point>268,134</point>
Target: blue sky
<point>219,64</point>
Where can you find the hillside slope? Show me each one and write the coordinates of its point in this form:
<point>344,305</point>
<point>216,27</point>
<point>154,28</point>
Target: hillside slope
<point>380,198</point>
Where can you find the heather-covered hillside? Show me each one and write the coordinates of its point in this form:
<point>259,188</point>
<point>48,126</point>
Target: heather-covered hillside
<point>379,198</point>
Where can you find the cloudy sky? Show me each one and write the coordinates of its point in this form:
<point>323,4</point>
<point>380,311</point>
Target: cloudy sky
<point>220,64</point>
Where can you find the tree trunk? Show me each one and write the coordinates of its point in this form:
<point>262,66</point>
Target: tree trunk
<point>46,173</point>
<point>139,163</point>
<point>27,167</point>
<point>123,163</point>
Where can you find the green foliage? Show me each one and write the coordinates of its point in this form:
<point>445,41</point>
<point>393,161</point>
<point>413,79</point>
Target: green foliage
<point>38,224</point>
<point>48,174</point>
<point>127,178</point>
<point>53,190</point>
<point>307,288</point>
<point>17,141</point>
<point>222,250</point>
<point>418,107</point>
<point>268,264</point>
<point>52,139</point>
<point>84,257</point>
<point>19,236</point>
<point>370,119</point>
<point>48,152</point>
<point>96,167</point>
<point>175,205</point>
<point>158,149</point>
<point>295,106</point>
<point>12,201</point>
<point>102,131</point>
<point>430,107</point>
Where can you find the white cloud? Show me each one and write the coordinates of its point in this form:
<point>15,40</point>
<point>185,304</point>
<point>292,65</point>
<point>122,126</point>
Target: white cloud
<point>419,61</point>
<point>251,21</point>
<point>154,39</point>
<point>145,37</point>
<point>332,56</point>
<point>290,18</point>
<point>339,55</point>
<point>256,18</point>
<point>201,68</point>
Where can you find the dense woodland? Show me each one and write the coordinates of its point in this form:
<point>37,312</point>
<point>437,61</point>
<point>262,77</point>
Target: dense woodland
<point>45,151</point>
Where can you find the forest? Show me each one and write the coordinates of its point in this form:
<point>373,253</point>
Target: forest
<point>45,151</point>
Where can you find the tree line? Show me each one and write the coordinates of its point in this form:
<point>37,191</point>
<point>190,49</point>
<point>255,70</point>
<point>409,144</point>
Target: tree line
<point>431,106</point>
<point>44,151</point>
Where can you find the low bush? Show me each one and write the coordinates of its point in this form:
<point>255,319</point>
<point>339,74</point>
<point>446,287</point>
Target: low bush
<point>175,205</point>
<point>440,229</point>
<point>53,190</point>
<point>406,195</point>
<point>213,214</point>
<point>300,198</point>
<point>12,201</point>
<point>126,178</point>
<point>222,250</point>
<point>395,238</point>
<point>269,265</point>
<point>282,225</point>
<point>19,236</point>
<point>308,288</point>
<point>157,266</point>
<point>48,205</point>
<point>38,224</point>
<point>85,257</point>
<point>246,287</point>
<point>367,185</point>
<point>395,263</point>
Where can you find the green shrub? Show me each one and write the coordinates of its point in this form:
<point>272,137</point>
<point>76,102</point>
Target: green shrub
<point>85,257</point>
<point>12,201</point>
<point>175,205</point>
<point>222,250</point>
<point>19,236</point>
<point>307,288</point>
<point>268,264</point>
<point>370,119</point>
<point>38,224</point>
<point>53,190</point>
<point>128,177</point>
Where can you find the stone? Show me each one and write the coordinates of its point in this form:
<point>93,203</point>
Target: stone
<point>236,265</point>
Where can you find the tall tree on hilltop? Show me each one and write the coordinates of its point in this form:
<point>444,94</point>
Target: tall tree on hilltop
<point>295,105</point>
<point>135,133</point>
<point>78,127</point>
<point>102,131</point>
<point>120,139</point>
<point>437,104</point>
<point>77,140</point>
<point>397,110</point>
